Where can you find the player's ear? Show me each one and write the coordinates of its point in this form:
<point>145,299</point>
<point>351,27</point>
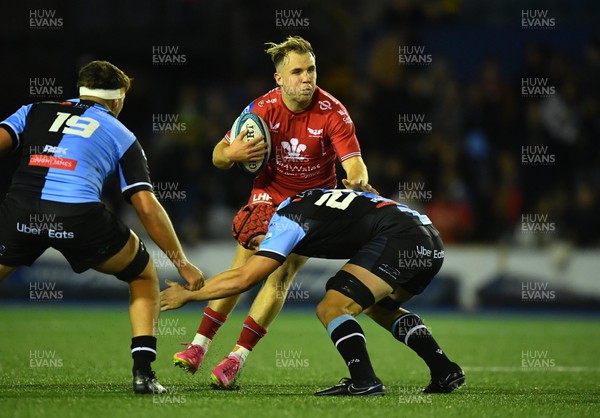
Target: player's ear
<point>277,78</point>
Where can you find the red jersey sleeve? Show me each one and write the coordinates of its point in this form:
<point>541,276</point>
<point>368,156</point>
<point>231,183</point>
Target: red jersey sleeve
<point>343,135</point>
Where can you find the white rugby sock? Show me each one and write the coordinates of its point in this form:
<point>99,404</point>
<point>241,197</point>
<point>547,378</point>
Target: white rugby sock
<point>241,353</point>
<point>203,341</point>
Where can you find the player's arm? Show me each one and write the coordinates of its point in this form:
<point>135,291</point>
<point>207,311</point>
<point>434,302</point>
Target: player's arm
<point>226,153</point>
<point>11,129</point>
<point>137,189</point>
<point>6,142</point>
<point>228,283</point>
<point>357,176</point>
<point>158,225</point>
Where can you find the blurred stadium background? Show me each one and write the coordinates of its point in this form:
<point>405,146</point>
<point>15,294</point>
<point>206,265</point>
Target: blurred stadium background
<point>484,115</point>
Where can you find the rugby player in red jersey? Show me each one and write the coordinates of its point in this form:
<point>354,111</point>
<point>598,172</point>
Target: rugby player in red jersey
<point>309,130</point>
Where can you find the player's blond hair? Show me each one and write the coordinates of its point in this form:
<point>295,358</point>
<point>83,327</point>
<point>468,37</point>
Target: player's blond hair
<point>279,51</point>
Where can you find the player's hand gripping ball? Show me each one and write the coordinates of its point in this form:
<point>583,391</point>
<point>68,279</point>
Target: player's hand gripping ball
<point>256,126</point>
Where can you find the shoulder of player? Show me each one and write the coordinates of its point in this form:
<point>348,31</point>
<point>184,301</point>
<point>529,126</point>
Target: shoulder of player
<point>110,123</point>
<point>327,104</point>
<point>267,102</point>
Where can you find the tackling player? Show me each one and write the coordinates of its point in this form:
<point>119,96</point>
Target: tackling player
<point>309,129</point>
<point>394,254</point>
<point>68,151</point>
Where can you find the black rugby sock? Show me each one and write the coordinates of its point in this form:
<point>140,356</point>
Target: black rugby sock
<point>143,351</point>
<point>410,330</point>
<point>349,339</point>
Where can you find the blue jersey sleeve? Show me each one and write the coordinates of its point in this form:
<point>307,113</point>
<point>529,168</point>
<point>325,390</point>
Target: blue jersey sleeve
<point>15,124</point>
<point>283,235</point>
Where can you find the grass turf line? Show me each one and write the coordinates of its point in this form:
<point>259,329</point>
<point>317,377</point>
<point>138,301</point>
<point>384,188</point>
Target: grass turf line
<point>73,362</point>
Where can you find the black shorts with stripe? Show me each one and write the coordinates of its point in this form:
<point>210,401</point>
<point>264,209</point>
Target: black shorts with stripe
<point>407,258</point>
<point>86,234</point>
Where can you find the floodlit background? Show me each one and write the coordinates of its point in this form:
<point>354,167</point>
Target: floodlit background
<point>483,115</point>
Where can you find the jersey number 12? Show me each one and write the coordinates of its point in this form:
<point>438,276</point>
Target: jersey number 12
<point>332,200</point>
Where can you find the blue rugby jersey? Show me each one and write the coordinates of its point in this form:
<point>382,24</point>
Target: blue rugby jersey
<point>69,149</point>
<point>333,224</point>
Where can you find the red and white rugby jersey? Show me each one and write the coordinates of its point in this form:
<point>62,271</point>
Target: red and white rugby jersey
<point>304,145</point>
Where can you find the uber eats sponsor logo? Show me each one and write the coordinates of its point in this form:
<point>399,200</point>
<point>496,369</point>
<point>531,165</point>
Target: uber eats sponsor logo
<point>167,123</point>
<point>44,224</point>
<point>44,358</point>
<point>412,123</point>
<point>536,359</point>
<point>291,359</point>
<point>413,394</point>
<point>537,292</point>
<point>537,19</point>
<point>44,87</point>
<point>169,191</point>
<point>44,19</point>
<point>413,55</point>
<point>291,19</point>
<point>168,55</point>
<point>44,292</point>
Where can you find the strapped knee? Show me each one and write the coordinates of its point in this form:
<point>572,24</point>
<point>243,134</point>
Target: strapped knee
<point>137,265</point>
<point>389,304</point>
<point>407,325</point>
<point>348,285</point>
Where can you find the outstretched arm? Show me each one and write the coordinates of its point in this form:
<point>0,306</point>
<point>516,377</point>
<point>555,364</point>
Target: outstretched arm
<point>228,283</point>
<point>5,142</point>
<point>159,227</point>
<point>357,176</point>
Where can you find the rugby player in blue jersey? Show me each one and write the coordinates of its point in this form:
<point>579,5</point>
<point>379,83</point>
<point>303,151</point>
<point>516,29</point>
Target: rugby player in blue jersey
<point>394,252</point>
<point>68,150</point>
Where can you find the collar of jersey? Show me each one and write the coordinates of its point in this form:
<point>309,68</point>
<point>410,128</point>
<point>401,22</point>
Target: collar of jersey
<point>310,106</point>
<point>91,103</point>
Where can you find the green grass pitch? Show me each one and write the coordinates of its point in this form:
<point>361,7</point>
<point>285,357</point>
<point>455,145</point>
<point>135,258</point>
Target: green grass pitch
<point>66,361</point>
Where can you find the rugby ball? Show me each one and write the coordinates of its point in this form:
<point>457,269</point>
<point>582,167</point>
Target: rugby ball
<point>256,126</point>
